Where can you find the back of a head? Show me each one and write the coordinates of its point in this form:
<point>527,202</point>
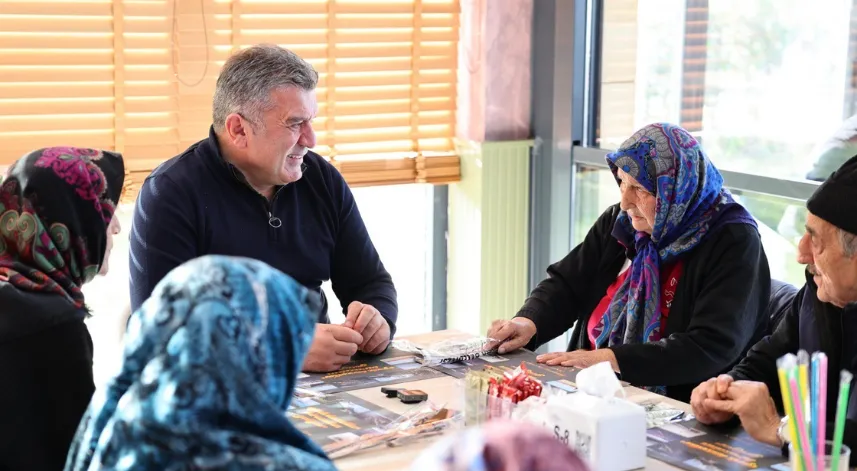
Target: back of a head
<point>58,203</point>
<point>210,361</point>
<point>500,446</point>
<point>249,76</point>
<point>831,153</point>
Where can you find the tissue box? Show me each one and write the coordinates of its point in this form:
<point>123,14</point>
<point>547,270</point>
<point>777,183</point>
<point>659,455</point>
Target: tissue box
<point>610,434</point>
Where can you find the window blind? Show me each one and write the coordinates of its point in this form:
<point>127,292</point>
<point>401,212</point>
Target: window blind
<point>850,103</point>
<point>137,76</point>
<point>616,112</point>
<point>695,58</point>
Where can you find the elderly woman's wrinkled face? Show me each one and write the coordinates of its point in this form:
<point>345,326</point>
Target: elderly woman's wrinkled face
<point>637,202</point>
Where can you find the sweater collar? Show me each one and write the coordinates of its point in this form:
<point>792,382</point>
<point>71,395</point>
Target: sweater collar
<point>228,167</point>
<point>220,161</point>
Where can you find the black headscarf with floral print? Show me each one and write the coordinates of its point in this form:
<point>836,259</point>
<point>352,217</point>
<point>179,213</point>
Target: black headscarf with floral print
<point>55,206</point>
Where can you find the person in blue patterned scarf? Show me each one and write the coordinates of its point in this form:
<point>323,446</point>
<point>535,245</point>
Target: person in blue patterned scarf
<point>671,284</point>
<point>209,369</point>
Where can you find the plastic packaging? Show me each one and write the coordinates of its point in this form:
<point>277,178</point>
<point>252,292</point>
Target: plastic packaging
<point>420,421</point>
<point>661,413</point>
<point>492,394</point>
<point>447,351</point>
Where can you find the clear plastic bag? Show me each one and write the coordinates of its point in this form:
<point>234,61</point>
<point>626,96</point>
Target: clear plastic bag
<point>420,421</point>
<point>661,413</point>
<point>447,351</point>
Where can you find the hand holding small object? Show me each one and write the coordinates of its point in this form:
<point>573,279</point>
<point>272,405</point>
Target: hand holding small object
<point>510,335</point>
<point>371,325</point>
<point>332,346</point>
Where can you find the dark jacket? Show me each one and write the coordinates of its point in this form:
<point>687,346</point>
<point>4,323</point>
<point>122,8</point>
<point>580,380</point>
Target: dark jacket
<point>718,312</point>
<point>198,204</point>
<point>46,371</point>
<point>814,326</point>
<point>782,296</point>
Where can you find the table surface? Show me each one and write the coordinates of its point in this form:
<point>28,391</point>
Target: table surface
<point>446,390</point>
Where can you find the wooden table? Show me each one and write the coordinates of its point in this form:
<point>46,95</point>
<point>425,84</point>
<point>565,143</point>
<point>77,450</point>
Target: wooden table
<point>446,390</point>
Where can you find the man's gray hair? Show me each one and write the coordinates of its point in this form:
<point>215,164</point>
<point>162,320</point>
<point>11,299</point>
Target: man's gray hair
<point>248,77</point>
<point>849,242</point>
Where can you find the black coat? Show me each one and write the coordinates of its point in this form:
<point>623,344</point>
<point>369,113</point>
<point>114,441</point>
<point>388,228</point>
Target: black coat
<point>814,326</point>
<point>46,385</point>
<point>718,313</point>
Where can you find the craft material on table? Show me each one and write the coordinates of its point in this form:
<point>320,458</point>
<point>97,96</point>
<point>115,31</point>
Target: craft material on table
<point>803,383</point>
<point>363,371</point>
<point>423,420</point>
<point>509,361</point>
<point>446,351</point>
<point>492,393</point>
<point>694,446</point>
<point>660,413</point>
<point>336,418</point>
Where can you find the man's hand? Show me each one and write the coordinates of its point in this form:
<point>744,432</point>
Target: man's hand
<point>714,388</point>
<point>511,335</point>
<point>580,358</point>
<point>371,325</point>
<point>332,347</point>
<point>752,403</point>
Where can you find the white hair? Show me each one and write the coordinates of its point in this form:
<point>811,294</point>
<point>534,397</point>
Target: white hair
<point>849,243</point>
<point>248,78</point>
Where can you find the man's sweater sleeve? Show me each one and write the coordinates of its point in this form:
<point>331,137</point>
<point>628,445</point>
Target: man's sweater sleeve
<point>163,235</point>
<point>357,273</point>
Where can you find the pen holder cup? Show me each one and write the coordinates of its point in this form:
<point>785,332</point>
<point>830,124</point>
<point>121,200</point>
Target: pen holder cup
<point>844,456</point>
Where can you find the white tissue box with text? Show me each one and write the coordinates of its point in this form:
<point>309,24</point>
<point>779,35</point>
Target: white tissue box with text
<point>610,434</point>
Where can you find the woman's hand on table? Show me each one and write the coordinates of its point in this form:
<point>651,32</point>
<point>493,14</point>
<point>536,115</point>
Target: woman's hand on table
<point>752,403</point>
<point>580,358</point>
<point>511,335</point>
<point>714,388</point>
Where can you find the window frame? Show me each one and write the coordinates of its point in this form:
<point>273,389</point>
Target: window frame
<point>567,38</point>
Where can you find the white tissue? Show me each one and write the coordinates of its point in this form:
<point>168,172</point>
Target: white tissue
<point>599,380</point>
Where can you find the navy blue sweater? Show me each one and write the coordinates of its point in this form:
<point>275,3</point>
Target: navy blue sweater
<point>197,204</point>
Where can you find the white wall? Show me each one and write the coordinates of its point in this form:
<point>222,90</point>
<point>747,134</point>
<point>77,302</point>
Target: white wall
<point>108,296</point>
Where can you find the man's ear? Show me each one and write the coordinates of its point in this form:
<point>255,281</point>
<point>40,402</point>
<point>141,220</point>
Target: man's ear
<point>236,130</point>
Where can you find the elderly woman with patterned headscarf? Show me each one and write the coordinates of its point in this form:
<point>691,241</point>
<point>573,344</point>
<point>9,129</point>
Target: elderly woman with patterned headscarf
<point>210,365</point>
<point>670,286</point>
<point>56,225</point>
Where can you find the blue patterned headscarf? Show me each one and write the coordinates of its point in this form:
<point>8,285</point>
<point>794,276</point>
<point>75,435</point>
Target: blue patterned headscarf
<point>209,369</point>
<point>691,203</point>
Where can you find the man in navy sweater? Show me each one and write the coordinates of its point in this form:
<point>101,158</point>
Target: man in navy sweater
<point>821,318</point>
<point>254,189</point>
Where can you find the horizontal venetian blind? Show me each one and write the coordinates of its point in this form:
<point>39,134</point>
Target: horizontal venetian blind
<point>56,76</point>
<point>618,84</point>
<point>137,76</point>
<point>694,61</point>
